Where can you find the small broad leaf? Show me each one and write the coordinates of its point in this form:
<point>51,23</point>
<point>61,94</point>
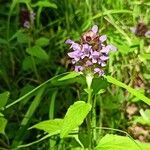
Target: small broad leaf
<point>3,123</point>
<point>50,126</point>
<point>42,42</point>
<point>22,37</point>
<point>69,76</point>
<point>44,4</point>
<point>145,114</point>
<point>128,88</point>
<point>4,98</point>
<point>74,117</point>
<point>38,52</point>
<point>144,119</point>
<point>116,142</point>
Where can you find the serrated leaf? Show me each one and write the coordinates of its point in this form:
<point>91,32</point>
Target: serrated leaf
<point>50,126</point>
<point>4,98</point>
<point>38,52</point>
<point>42,41</point>
<point>116,142</point>
<point>74,117</point>
<point>44,4</point>
<point>3,123</point>
<point>71,75</point>
<point>128,88</point>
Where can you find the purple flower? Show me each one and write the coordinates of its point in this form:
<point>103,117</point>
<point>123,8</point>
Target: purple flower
<point>88,63</point>
<point>103,38</point>
<point>75,55</point>
<point>26,24</point>
<point>147,34</point>
<point>99,71</point>
<point>141,29</point>
<point>95,28</point>
<point>69,41</point>
<point>86,49</point>
<point>108,48</point>
<point>95,56</point>
<point>78,68</point>
<point>104,58</point>
<point>32,15</point>
<point>91,54</point>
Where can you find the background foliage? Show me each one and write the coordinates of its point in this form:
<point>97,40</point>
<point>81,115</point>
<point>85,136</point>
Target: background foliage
<point>29,57</point>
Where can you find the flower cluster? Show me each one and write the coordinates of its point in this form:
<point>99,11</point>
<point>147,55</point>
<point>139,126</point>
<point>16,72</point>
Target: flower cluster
<point>91,54</point>
<point>141,30</point>
<point>26,17</point>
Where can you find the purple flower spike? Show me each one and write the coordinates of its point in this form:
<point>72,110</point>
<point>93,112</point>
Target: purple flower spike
<point>95,28</point>
<point>91,54</point>
<point>103,38</point>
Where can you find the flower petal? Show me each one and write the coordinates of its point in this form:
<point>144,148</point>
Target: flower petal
<point>104,58</point>
<point>133,29</point>
<point>69,41</point>
<point>95,28</point>
<point>79,68</point>
<point>103,38</point>
<point>147,34</point>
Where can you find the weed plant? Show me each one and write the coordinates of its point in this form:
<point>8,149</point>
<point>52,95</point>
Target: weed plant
<point>45,105</point>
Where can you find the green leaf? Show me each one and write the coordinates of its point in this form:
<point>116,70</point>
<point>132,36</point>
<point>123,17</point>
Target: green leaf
<point>22,37</point>
<point>141,120</point>
<point>50,126</point>
<point>42,42</point>
<point>27,63</point>
<point>3,123</point>
<point>115,142</point>
<point>145,56</point>
<point>3,41</point>
<point>71,75</point>
<point>4,98</point>
<point>144,119</point>
<point>38,52</point>
<point>74,117</point>
<point>128,88</point>
<point>98,84</point>
<point>145,114</point>
<point>44,4</point>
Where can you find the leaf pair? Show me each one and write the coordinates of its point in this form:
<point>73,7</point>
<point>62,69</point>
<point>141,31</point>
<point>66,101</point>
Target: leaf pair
<point>73,118</point>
